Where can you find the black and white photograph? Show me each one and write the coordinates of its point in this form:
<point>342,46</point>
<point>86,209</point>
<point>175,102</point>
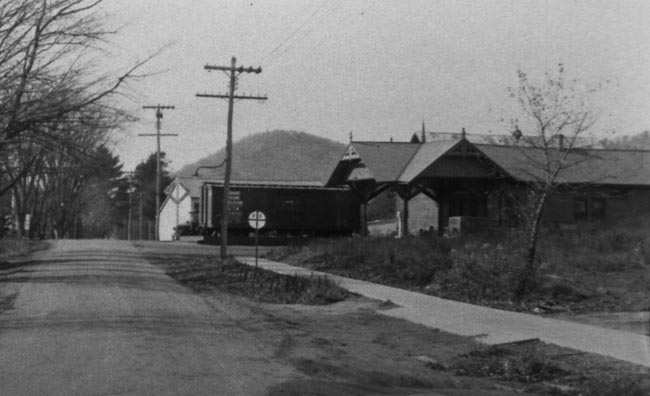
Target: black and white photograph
<point>324,197</point>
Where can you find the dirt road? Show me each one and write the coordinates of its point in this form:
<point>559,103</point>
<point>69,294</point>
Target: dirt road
<point>94,318</point>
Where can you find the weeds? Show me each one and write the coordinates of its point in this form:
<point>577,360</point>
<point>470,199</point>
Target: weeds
<point>14,247</point>
<point>256,283</point>
<point>611,386</point>
<point>543,373</point>
<point>599,248</point>
<point>507,365</point>
<point>413,261</point>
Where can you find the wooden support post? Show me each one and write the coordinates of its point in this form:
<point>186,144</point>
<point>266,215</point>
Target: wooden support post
<point>404,193</point>
<point>364,218</point>
<point>405,215</point>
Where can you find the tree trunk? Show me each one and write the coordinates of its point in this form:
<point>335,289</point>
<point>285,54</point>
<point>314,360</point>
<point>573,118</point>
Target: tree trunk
<point>527,277</point>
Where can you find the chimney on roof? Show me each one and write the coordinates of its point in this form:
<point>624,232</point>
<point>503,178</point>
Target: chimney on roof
<point>560,141</point>
<point>463,134</point>
<point>423,139</point>
<point>350,135</point>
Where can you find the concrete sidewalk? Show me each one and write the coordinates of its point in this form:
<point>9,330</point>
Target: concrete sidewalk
<point>488,325</point>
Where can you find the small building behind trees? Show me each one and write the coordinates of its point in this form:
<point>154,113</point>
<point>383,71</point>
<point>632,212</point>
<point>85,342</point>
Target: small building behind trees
<point>179,211</point>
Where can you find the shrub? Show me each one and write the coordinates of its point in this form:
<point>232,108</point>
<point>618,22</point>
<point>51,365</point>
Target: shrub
<point>613,386</point>
<point>603,387</point>
<point>410,261</point>
<point>506,365</point>
<point>598,248</point>
<point>485,274</point>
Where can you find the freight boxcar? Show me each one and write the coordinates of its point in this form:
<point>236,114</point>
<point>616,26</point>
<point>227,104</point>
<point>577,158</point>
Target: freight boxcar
<point>292,209</point>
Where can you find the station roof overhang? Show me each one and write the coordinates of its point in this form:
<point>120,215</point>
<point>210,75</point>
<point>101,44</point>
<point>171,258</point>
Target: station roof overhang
<point>410,168</point>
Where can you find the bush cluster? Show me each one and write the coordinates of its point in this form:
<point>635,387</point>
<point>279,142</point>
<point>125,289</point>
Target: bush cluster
<point>408,261</point>
<point>507,365</point>
<point>484,269</point>
<point>597,247</point>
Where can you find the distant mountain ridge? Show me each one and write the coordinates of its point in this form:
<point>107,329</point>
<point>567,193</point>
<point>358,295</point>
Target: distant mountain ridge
<point>275,155</point>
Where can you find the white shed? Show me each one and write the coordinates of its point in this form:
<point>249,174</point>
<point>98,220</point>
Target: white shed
<point>181,205</point>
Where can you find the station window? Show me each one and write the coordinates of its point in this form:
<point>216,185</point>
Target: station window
<point>597,208</point>
<point>580,209</point>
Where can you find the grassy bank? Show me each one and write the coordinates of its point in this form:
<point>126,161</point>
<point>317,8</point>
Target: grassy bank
<point>592,268</point>
<point>234,277</point>
<point>17,247</point>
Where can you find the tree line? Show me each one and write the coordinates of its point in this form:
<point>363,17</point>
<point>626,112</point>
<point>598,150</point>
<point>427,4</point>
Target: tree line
<point>57,111</point>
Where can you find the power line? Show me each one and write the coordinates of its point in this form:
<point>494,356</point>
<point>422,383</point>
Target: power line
<point>290,36</point>
<point>233,71</point>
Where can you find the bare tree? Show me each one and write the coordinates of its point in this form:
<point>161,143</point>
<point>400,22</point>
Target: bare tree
<point>557,114</point>
<point>48,73</point>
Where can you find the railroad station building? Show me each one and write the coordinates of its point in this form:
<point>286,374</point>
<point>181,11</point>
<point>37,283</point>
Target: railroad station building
<point>477,180</point>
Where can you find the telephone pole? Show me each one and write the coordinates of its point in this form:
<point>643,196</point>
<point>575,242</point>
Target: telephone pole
<point>232,71</point>
<point>129,191</point>
<point>159,116</point>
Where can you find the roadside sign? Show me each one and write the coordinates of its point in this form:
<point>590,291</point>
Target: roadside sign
<point>256,220</point>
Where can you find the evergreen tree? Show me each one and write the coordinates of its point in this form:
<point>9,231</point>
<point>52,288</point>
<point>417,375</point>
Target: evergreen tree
<point>105,198</point>
<point>145,178</point>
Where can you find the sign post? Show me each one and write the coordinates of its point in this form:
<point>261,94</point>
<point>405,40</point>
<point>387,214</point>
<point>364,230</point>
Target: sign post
<point>256,220</point>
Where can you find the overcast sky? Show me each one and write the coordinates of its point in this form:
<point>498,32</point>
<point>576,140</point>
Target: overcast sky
<point>377,69</point>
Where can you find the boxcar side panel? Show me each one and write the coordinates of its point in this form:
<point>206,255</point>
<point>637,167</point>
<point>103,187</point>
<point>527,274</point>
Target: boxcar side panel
<point>288,210</point>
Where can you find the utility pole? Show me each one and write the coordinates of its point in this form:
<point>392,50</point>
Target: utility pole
<point>159,116</point>
<point>129,191</point>
<point>140,234</point>
<point>232,71</point>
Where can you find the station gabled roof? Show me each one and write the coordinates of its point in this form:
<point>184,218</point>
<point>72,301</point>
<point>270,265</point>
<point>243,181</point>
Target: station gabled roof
<point>426,155</point>
<point>386,160</point>
<point>390,162</point>
<point>401,163</point>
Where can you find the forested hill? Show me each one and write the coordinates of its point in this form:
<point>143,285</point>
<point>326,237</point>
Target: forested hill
<point>275,155</point>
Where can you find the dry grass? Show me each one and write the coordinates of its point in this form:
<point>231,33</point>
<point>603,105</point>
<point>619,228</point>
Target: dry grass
<point>255,283</point>
<point>16,247</point>
<point>592,268</point>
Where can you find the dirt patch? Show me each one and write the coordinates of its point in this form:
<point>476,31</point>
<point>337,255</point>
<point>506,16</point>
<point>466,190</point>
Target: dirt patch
<point>358,351</point>
<point>348,348</point>
<point>7,302</point>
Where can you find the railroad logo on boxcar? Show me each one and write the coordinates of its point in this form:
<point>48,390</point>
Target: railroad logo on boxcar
<point>257,219</point>
<point>235,205</point>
